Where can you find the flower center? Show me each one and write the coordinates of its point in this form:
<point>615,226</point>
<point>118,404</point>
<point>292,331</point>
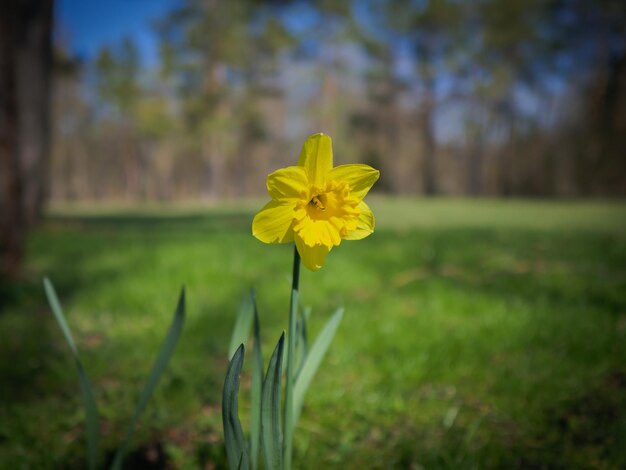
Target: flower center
<point>326,214</point>
<point>319,202</point>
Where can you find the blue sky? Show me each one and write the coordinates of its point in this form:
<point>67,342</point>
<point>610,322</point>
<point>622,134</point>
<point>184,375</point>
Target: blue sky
<point>87,25</point>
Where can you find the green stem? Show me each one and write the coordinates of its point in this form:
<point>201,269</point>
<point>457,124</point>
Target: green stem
<point>291,342</point>
<point>295,283</point>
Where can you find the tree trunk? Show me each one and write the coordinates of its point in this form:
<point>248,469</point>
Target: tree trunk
<point>34,61</point>
<point>475,165</point>
<point>613,127</point>
<point>425,119</point>
<point>11,222</point>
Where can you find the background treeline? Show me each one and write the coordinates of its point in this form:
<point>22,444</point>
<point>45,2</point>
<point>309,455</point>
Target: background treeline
<point>483,97</point>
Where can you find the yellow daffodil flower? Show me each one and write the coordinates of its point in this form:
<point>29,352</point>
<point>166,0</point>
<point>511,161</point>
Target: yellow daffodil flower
<point>316,205</point>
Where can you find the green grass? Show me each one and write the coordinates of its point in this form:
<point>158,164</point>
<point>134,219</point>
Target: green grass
<point>477,334</point>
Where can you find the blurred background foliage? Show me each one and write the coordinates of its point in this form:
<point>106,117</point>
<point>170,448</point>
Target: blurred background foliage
<point>479,97</point>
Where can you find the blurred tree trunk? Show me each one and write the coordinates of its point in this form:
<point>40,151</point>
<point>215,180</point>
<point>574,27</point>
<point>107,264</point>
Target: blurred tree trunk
<point>610,125</point>
<point>509,157</point>
<point>427,132</point>
<point>11,221</point>
<point>34,68</point>
<point>25,76</point>
<point>476,150</point>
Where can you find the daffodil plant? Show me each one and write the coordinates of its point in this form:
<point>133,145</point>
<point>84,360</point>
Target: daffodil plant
<point>315,206</point>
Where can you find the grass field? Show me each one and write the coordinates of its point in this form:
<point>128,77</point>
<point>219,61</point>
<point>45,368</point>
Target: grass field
<point>477,334</point>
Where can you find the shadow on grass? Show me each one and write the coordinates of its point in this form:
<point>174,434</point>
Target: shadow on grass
<point>68,251</point>
<point>223,220</point>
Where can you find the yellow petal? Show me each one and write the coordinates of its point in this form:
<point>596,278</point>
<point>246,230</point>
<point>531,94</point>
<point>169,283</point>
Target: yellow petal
<point>360,177</point>
<point>312,256</point>
<point>365,225</point>
<point>288,184</point>
<point>317,158</point>
<point>273,223</point>
<point>317,232</point>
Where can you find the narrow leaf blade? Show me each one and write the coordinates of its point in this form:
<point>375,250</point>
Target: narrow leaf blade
<point>257,385</point>
<point>302,341</point>
<point>55,305</point>
<point>242,325</point>
<point>313,361</point>
<point>270,409</point>
<point>167,349</point>
<point>233,433</point>
<point>92,420</point>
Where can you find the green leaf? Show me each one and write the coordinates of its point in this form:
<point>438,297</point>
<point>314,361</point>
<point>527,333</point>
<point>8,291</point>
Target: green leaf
<point>270,409</point>
<point>288,423</point>
<point>92,426</point>
<point>305,311</point>
<point>313,361</point>
<point>302,341</point>
<point>236,450</point>
<point>257,384</point>
<point>242,325</point>
<point>167,349</point>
